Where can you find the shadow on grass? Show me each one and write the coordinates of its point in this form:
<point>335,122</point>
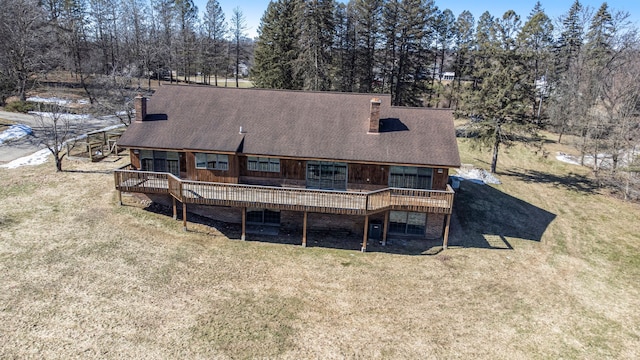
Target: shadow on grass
<point>483,217</point>
<point>571,181</point>
<point>321,238</point>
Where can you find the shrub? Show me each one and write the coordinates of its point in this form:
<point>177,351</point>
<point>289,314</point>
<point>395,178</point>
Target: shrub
<point>20,106</point>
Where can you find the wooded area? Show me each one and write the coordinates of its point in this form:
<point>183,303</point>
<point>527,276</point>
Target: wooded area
<point>513,76</point>
<point>576,75</point>
<point>112,46</point>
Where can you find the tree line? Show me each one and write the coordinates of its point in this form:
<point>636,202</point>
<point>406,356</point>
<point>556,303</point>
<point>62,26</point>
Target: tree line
<point>514,76</point>
<point>102,41</point>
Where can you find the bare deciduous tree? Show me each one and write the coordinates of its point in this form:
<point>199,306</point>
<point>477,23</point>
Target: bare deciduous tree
<point>55,128</point>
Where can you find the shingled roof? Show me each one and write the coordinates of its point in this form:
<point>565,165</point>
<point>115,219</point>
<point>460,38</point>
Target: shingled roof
<point>317,125</point>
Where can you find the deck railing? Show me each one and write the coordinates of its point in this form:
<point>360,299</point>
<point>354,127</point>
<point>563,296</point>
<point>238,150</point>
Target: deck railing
<point>285,198</point>
<point>142,181</point>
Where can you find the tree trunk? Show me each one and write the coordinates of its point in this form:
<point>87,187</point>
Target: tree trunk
<point>58,162</point>
<point>494,159</point>
<point>496,148</point>
<point>560,136</point>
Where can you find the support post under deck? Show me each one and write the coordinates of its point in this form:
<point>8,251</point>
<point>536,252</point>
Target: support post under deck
<point>385,228</point>
<point>445,240</point>
<point>366,233</point>
<point>244,224</point>
<point>175,210</point>
<point>184,216</point>
<point>304,230</point>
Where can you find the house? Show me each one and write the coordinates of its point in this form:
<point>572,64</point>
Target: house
<point>448,76</point>
<point>293,158</point>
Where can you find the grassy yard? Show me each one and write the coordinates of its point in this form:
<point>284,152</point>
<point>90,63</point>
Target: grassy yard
<point>543,266</point>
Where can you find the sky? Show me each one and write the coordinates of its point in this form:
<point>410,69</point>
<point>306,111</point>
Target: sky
<point>254,9</point>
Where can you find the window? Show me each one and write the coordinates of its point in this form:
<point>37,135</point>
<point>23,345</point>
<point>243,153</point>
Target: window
<point>263,164</point>
<point>212,161</point>
<point>146,160</point>
<point>410,177</point>
<point>327,175</point>
<point>263,216</point>
<point>160,161</point>
<point>409,223</point>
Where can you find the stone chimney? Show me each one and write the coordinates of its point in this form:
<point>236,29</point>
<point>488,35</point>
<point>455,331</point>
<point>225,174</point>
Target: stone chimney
<point>140,105</point>
<point>374,117</point>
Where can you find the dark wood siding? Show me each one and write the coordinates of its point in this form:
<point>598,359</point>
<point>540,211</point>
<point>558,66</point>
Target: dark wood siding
<point>368,174</point>
<point>223,176</point>
<point>439,181</point>
<point>135,159</point>
<point>292,173</point>
<point>290,169</point>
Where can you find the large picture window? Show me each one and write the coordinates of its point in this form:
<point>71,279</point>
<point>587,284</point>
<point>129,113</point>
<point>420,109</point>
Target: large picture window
<point>410,177</point>
<point>263,164</point>
<point>327,175</point>
<point>160,161</point>
<point>212,161</point>
<point>409,223</point>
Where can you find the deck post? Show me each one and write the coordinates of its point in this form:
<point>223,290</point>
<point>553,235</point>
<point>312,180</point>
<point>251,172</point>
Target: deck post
<point>445,240</point>
<point>184,216</point>
<point>366,233</point>
<point>244,224</point>
<point>116,178</point>
<point>175,210</point>
<point>304,230</point>
<point>385,228</point>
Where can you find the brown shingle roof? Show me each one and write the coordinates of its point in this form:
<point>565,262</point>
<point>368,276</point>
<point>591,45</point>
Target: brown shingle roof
<point>293,124</point>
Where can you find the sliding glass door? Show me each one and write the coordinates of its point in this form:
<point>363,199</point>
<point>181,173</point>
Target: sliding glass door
<point>326,175</point>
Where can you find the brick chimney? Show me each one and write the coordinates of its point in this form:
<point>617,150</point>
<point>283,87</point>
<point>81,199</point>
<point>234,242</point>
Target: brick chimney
<point>374,117</point>
<point>140,105</point>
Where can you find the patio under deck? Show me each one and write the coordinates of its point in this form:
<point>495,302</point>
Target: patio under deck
<point>287,198</point>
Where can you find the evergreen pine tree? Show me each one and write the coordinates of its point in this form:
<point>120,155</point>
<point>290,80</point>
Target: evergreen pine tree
<point>345,51</point>
<point>367,30</point>
<point>277,47</point>
<point>317,33</point>
<point>407,25</point>
<point>215,28</point>
<point>464,44</point>
<point>536,39</point>
<point>497,103</point>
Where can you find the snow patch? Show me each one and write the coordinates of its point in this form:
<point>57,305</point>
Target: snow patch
<point>475,175</point>
<point>51,100</point>
<point>604,161</point>
<point>37,158</point>
<point>41,156</point>
<point>70,117</point>
<point>566,158</point>
<point>15,132</point>
<point>57,101</point>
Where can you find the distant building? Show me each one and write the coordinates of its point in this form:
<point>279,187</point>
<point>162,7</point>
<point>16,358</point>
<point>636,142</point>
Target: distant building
<point>449,76</point>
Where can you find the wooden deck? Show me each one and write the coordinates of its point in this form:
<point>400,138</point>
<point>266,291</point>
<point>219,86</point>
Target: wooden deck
<point>284,198</point>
